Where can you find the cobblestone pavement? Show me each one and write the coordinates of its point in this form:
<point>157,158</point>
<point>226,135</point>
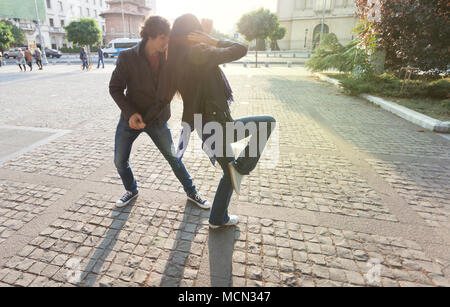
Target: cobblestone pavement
<point>346,194</point>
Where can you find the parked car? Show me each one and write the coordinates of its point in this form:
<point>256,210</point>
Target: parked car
<point>52,53</point>
<point>12,53</point>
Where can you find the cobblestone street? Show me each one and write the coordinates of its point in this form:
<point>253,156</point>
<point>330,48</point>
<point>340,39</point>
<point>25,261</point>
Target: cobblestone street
<point>346,194</point>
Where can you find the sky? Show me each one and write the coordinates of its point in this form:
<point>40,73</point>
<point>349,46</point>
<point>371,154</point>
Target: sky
<point>224,13</point>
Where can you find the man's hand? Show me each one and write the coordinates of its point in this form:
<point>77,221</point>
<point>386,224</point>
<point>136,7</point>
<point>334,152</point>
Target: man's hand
<point>200,37</point>
<point>136,122</point>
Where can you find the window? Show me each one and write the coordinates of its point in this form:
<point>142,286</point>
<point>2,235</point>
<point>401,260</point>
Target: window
<point>61,8</point>
<point>62,23</point>
<point>124,45</point>
<point>49,4</point>
<point>95,13</point>
<point>52,24</point>
<point>87,12</point>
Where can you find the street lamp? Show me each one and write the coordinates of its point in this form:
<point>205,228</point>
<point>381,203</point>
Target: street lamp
<point>323,20</point>
<point>123,18</point>
<point>40,34</point>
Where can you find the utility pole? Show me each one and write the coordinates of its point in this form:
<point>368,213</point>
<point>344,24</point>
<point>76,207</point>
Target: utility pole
<point>123,19</point>
<point>323,20</point>
<point>40,34</point>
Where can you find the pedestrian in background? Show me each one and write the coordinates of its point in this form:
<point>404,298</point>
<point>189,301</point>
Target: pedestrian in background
<point>84,59</point>
<point>1,59</point>
<point>100,57</point>
<point>38,57</point>
<point>29,58</point>
<point>21,60</point>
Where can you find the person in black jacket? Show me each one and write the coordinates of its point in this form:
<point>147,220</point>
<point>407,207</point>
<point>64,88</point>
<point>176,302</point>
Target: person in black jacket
<point>193,71</point>
<point>139,71</point>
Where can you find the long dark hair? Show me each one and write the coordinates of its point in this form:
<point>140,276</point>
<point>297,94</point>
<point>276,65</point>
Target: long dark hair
<point>179,47</point>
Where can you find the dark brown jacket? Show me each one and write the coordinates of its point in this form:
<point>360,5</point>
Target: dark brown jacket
<point>135,74</point>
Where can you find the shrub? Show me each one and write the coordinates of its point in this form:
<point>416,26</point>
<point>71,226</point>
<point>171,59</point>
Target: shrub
<point>446,104</point>
<point>439,89</point>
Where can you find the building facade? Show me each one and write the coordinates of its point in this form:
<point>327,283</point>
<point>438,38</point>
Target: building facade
<point>124,18</point>
<point>59,13</point>
<point>303,21</point>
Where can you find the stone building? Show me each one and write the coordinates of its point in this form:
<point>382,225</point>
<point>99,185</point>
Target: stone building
<point>56,15</point>
<point>128,23</point>
<point>303,20</point>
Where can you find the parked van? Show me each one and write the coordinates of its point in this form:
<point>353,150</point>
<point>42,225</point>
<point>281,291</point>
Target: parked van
<point>115,46</point>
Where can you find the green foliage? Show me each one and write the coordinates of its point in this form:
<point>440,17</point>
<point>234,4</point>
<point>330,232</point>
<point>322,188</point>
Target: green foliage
<point>83,32</point>
<point>277,35</point>
<point>446,104</point>
<point>6,36</point>
<point>439,89</point>
<point>391,86</point>
<point>412,32</point>
<point>18,34</point>
<point>258,24</point>
<point>355,57</point>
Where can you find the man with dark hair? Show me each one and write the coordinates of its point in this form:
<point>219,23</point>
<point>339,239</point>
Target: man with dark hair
<point>139,72</point>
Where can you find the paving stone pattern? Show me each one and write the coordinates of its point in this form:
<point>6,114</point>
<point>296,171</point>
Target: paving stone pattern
<point>350,196</point>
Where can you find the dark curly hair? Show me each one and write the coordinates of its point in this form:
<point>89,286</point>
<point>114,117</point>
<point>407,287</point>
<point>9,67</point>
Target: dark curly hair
<point>154,26</point>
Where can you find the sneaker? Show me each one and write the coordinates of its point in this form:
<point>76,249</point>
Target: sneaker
<point>236,178</point>
<point>234,220</point>
<point>126,199</point>
<point>199,201</point>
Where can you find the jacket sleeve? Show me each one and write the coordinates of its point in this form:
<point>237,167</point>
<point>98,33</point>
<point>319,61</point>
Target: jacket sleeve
<point>225,52</point>
<point>117,86</point>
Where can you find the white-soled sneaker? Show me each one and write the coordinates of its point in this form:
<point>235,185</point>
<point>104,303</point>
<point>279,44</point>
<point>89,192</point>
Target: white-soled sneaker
<point>199,201</point>
<point>236,178</point>
<point>126,199</point>
<point>234,220</point>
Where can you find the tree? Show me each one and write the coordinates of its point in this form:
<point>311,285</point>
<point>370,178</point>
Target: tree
<point>18,34</point>
<point>277,35</point>
<point>6,36</point>
<point>258,25</point>
<point>83,32</point>
<point>412,32</point>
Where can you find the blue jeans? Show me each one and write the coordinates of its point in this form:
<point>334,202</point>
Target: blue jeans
<point>100,60</point>
<point>245,165</point>
<point>162,138</point>
<point>85,64</point>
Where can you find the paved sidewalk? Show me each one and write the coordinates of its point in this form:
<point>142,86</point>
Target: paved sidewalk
<point>352,196</point>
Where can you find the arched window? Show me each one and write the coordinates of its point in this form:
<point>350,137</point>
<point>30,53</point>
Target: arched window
<point>316,33</point>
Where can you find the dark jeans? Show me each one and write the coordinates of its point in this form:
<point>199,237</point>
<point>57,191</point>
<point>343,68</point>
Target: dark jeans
<point>39,63</point>
<point>245,165</point>
<point>85,64</point>
<point>100,60</point>
<point>162,138</point>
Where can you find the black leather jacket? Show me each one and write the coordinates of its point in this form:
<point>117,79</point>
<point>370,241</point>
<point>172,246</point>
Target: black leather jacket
<point>135,74</point>
<point>208,94</point>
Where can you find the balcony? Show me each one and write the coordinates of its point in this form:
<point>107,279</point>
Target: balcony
<point>27,27</point>
<point>56,30</point>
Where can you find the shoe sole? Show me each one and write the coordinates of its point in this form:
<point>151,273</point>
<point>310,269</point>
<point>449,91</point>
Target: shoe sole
<point>199,205</point>
<point>127,203</point>
<point>219,226</point>
<point>233,182</point>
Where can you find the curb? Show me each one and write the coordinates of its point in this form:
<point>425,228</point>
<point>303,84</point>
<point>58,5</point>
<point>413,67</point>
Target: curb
<point>417,118</point>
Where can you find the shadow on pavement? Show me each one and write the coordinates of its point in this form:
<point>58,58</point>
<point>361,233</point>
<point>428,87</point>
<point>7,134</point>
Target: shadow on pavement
<point>182,249</point>
<point>220,247</point>
<point>120,217</point>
